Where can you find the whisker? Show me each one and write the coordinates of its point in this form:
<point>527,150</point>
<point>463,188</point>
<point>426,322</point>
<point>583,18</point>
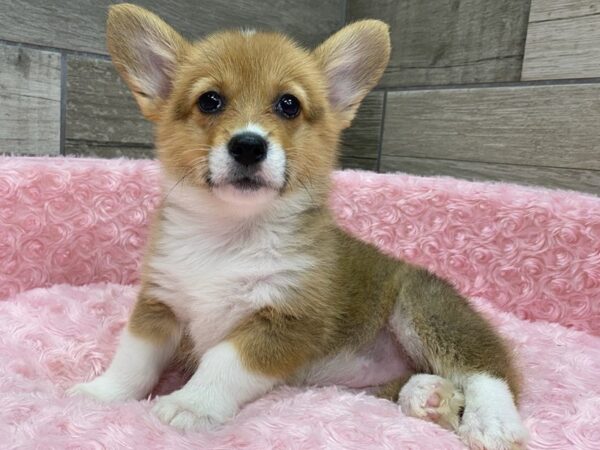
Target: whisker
<point>179,182</point>
<point>194,165</point>
<point>307,191</point>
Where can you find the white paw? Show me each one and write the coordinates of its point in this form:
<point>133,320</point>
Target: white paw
<point>102,389</point>
<point>491,420</point>
<point>187,412</point>
<point>432,398</point>
<point>492,430</point>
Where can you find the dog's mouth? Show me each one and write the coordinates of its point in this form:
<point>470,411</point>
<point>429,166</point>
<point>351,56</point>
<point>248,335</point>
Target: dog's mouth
<point>242,183</point>
<point>248,183</point>
<point>244,191</point>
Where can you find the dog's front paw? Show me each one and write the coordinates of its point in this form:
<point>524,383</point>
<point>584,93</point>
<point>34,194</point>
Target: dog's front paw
<point>491,429</point>
<point>187,412</point>
<point>101,388</point>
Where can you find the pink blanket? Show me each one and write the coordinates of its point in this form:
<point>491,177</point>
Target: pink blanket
<point>71,235</point>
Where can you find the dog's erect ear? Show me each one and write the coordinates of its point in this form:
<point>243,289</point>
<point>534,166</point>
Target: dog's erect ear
<point>354,59</point>
<point>145,51</point>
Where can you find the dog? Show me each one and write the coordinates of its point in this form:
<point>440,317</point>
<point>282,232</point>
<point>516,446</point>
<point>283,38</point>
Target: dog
<point>247,281</point>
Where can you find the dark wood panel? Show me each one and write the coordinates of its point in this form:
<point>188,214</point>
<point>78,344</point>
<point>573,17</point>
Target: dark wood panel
<point>554,125</point>
<point>362,138</point>
<point>29,101</point>
<point>572,179</point>
<point>100,109</point>
<point>450,41</point>
<point>349,162</point>
<point>79,25</point>
<point>563,40</point>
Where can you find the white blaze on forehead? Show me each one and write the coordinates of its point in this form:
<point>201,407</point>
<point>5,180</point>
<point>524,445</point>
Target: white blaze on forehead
<point>247,32</point>
<point>252,128</point>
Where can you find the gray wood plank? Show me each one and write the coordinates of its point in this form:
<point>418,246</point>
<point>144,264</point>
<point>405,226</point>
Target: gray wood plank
<point>362,138</point>
<point>450,41</point>
<point>80,25</point>
<point>107,150</point>
<point>571,179</point>
<point>29,101</point>
<point>554,125</point>
<point>101,112</point>
<point>349,162</point>
<point>563,40</point>
<point>546,10</point>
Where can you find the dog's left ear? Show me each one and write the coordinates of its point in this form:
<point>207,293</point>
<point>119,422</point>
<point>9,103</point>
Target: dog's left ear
<point>353,60</point>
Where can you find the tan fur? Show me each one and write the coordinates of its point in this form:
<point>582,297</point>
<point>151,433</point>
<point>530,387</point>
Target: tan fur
<point>352,291</point>
<point>152,319</point>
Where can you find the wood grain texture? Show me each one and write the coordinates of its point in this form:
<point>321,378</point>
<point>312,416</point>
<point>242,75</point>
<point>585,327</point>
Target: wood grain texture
<point>362,138</point>
<point>572,179</point>
<point>101,113</point>
<point>552,126</point>
<point>562,9</point>
<point>108,150</point>
<point>563,40</point>
<point>450,41</point>
<point>29,101</point>
<point>80,25</point>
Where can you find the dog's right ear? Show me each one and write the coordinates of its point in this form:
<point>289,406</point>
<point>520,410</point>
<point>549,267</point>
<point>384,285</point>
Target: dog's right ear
<point>146,52</point>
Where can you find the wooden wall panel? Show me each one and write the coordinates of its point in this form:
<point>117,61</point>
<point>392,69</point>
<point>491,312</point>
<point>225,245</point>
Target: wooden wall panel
<point>553,126</point>
<point>547,10</point>
<point>557,178</point>
<point>563,40</point>
<point>102,118</point>
<point>450,41</point>
<point>360,142</point>
<point>79,25</point>
<point>29,101</point>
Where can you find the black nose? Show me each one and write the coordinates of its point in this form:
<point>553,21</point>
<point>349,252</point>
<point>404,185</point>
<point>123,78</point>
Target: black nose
<point>247,148</point>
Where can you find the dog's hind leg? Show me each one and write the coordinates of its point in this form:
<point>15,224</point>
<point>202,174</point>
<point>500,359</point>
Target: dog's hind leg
<point>445,338</point>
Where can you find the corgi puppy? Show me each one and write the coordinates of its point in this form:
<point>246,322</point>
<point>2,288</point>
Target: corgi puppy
<point>247,279</point>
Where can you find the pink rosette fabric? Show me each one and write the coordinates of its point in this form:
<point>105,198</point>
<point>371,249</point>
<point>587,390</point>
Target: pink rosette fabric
<point>72,232</point>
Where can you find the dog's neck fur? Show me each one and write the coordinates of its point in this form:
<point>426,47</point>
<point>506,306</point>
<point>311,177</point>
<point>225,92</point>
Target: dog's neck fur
<point>247,259</point>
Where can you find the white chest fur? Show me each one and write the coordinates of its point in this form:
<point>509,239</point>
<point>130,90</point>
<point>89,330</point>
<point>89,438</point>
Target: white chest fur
<point>213,270</point>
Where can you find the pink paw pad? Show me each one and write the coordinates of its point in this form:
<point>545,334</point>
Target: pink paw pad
<point>432,398</point>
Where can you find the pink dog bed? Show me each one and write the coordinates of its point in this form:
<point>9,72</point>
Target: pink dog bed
<point>71,236</point>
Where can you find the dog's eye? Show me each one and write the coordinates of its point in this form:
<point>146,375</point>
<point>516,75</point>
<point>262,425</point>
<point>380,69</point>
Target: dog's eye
<point>288,106</point>
<point>210,102</point>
